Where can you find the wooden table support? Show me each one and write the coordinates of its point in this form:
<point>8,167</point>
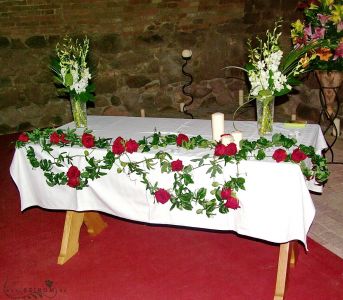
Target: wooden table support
<point>70,245</point>
<point>288,255</point>
<point>71,232</point>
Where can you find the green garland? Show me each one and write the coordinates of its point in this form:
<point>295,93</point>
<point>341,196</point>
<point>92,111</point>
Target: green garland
<point>182,196</point>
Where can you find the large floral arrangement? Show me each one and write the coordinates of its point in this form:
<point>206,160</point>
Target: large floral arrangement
<point>323,23</point>
<point>118,155</point>
<point>270,72</point>
<point>71,70</point>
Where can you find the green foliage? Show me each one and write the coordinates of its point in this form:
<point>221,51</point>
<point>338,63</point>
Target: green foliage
<point>184,195</point>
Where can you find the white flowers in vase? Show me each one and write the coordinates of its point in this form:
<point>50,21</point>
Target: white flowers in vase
<point>71,70</point>
<point>269,71</point>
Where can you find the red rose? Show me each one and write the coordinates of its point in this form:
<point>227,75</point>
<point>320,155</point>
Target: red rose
<point>131,146</point>
<point>219,150</point>
<point>118,146</point>
<point>176,165</point>
<point>181,138</point>
<point>231,149</point>
<point>73,182</point>
<point>226,193</point>
<point>279,155</point>
<point>87,140</point>
<point>297,155</point>
<point>63,138</point>
<point>232,202</point>
<point>54,138</point>
<point>23,137</point>
<point>73,172</point>
<point>162,196</point>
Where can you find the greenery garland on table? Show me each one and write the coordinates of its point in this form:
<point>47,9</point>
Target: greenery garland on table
<point>223,195</point>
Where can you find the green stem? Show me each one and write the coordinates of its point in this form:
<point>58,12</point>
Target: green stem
<point>79,113</point>
<point>266,120</point>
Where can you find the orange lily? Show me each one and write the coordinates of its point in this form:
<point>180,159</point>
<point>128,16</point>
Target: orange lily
<point>324,53</point>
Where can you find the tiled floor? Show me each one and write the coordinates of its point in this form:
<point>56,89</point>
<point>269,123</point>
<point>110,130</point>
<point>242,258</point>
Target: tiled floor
<point>327,228</point>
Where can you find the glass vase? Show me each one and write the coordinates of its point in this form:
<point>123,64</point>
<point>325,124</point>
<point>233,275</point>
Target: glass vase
<point>265,114</point>
<point>79,110</point>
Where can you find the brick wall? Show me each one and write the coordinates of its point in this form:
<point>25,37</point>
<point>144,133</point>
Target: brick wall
<point>135,52</point>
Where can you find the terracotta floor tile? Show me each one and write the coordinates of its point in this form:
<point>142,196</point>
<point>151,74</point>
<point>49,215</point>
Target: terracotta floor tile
<point>327,227</point>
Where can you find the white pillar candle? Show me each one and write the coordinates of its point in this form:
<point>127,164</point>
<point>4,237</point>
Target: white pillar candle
<point>226,139</point>
<point>142,113</point>
<point>293,117</point>
<point>337,123</point>
<point>240,97</point>
<point>217,126</point>
<point>182,106</point>
<point>186,53</point>
<point>237,137</point>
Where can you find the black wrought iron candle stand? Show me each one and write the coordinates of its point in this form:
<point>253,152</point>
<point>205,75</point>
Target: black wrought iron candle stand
<point>187,84</point>
<point>328,116</point>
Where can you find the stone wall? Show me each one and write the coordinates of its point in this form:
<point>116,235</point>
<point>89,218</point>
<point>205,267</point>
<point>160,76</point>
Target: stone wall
<point>135,54</point>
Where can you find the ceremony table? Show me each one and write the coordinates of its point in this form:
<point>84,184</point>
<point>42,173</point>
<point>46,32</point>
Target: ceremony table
<point>275,206</point>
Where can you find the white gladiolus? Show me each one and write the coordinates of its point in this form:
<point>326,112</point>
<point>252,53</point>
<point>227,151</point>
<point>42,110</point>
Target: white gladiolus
<point>266,74</point>
<point>72,61</point>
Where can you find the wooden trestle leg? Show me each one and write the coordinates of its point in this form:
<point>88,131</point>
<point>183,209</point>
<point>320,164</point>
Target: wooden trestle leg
<point>287,256</point>
<point>71,232</point>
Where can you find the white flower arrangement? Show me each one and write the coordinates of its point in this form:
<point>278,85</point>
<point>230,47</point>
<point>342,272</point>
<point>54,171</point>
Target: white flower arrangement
<point>70,68</point>
<point>268,71</point>
<point>272,74</point>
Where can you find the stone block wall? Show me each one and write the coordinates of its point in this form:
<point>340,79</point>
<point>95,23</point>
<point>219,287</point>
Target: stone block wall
<point>135,54</point>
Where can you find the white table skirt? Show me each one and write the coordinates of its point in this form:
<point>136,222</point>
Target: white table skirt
<point>276,205</point>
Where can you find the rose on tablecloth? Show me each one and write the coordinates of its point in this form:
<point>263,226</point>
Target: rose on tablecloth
<point>118,146</point>
<point>23,137</point>
<point>55,138</point>
<point>131,146</point>
<point>225,193</point>
<point>176,165</point>
<point>279,155</point>
<point>87,140</point>
<point>74,182</point>
<point>73,172</point>
<point>231,149</point>
<point>232,203</point>
<point>181,138</point>
<point>73,175</point>
<point>221,150</point>
<point>162,196</point>
<point>298,155</point>
<point>63,138</point>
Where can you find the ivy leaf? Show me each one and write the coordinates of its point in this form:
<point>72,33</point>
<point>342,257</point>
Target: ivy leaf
<point>260,155</point>
<point>68,79</point>
<point>187,179</point>
<point>45,165</point>
<point>188,169</point>
<point>155,139</point>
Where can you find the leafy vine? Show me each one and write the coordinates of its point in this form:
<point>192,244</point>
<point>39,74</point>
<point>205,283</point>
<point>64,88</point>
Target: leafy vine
<point>222,196</point>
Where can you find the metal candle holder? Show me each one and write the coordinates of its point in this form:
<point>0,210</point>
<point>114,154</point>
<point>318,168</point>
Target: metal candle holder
<point>186,56</point>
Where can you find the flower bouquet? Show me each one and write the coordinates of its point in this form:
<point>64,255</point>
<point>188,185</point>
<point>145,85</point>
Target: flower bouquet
<point>323,23</point>
<point>71,71</point>
<point>272,74</point>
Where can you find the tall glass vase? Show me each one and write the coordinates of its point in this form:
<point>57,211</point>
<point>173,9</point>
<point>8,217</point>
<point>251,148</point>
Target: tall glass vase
<point>265,114</point>
<point>79,110</point>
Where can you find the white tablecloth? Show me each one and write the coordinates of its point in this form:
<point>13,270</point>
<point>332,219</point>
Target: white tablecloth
<point>276,205</point>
